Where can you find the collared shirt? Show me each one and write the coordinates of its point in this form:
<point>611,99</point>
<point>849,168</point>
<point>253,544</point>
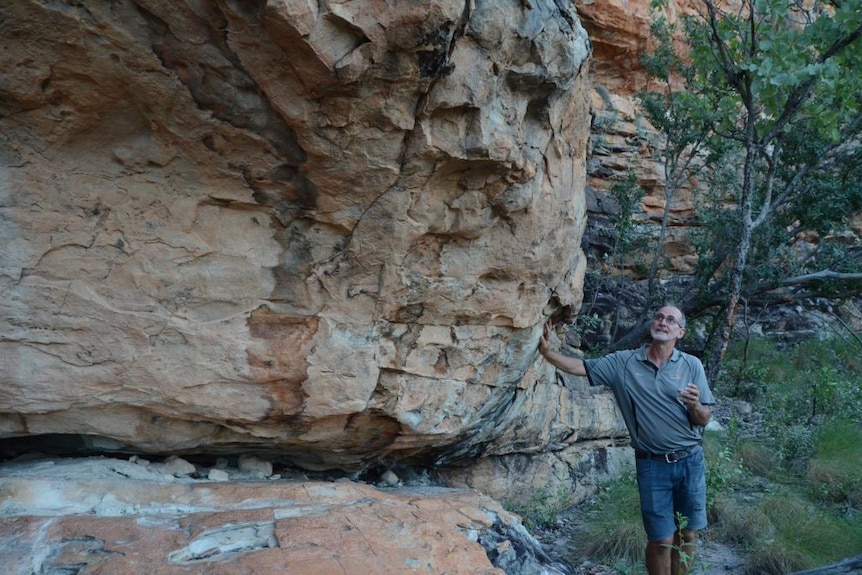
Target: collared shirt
<point>648,397</point>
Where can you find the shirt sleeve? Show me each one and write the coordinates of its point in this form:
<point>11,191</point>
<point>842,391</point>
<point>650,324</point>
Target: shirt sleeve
<point>699,375</point>
<point>605,370</point>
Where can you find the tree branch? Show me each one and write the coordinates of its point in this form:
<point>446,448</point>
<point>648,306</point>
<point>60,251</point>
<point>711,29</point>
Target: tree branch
<point>821,275</point>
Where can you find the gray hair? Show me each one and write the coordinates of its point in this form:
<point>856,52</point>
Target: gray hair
<point>679,309</point>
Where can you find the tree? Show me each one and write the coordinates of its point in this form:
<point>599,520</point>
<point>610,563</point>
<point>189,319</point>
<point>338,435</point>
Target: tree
<point>684,115</point>
<point>780,95</point>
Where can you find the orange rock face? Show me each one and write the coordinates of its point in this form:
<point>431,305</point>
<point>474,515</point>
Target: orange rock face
<point>76,517</point>
<point>620,34</point>
<point>331,232</point>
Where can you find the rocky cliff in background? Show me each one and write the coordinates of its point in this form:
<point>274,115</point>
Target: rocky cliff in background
<point>622,139</point>
<point>330,233</point>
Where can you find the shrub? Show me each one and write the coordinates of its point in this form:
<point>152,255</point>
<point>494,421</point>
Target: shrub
<point>773,559</point>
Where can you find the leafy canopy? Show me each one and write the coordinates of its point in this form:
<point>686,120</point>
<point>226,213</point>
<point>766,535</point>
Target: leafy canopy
<point>769,93</point>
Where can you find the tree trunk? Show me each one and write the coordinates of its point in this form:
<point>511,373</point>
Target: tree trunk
<point>737,270</point>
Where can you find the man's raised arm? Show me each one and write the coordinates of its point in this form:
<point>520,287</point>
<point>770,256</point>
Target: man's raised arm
<point>562,362</point>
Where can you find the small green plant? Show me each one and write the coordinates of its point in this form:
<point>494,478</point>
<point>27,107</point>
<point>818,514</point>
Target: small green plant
<point>603,121</point>
<point>723,474</point>
<point>741,380</point>
<point>686,559</point>
<point>824,384</point>
<point>586,324</point>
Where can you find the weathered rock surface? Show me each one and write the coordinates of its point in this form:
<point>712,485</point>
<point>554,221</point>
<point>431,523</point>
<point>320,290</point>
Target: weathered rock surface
<point>102,515</point>
<point>327,230</point>
<point>623,141</point>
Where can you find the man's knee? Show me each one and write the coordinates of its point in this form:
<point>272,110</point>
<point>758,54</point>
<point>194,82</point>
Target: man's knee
<point>660,544</point>
<point>689,536</point>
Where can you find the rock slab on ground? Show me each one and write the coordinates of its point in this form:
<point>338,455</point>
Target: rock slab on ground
<point>103,515</point>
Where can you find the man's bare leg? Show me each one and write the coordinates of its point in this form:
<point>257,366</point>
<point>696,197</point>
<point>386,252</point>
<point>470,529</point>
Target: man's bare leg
<point>658,557</point>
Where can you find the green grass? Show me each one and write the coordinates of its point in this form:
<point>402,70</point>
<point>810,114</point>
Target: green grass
<point>737,521</point>
<point>542,507</point>
<point>835,472</point>
<point>777,529</point>
<point>815,534</point>
<point>613,533</point>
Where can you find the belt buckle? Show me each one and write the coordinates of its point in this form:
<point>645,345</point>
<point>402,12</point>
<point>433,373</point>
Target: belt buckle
<point>671,457</point>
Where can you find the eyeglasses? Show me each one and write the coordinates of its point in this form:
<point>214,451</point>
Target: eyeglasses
<point>668,319</point>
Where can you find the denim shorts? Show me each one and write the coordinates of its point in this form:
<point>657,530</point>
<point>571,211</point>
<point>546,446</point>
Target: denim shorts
<point>669,488</point>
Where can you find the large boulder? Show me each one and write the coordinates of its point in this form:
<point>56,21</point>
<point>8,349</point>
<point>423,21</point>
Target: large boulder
<point>331,231</point>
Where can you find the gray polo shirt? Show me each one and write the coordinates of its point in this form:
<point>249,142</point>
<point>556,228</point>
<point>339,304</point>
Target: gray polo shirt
<point>656,418</point>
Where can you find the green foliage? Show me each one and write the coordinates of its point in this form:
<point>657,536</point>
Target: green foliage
<point>586,324</point>
<point>774,558</point>
<point>772,100</point>
<point>806,534</point>
<point>724,472</point>
<point>684,550</point>
<point>823,390</point>
<point>811,400</point>
<point>737,521</point>
<point>684,116</point>
<point>628,195</point>
<point>798,389</point>
<point>758,459</point>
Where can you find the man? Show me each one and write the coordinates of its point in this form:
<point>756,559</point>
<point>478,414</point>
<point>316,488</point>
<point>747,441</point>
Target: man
<point>664,399</point>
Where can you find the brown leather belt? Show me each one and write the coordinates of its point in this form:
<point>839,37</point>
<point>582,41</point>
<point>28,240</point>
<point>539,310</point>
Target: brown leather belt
<point>667,457</point>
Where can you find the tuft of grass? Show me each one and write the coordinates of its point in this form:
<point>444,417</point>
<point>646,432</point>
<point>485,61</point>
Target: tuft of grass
<point>818,535</point>
<point>773,559</point>
<point>784,531</point>
<point>738,521</point>
<point>543,507</point>
<point>835,471</point>
<point>621,543</point>
<point>757,458</point>
<point>612,532</point>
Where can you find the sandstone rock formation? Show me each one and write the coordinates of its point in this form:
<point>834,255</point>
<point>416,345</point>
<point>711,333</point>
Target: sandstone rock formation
<point>112,516</point>
<point>330,232</point>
